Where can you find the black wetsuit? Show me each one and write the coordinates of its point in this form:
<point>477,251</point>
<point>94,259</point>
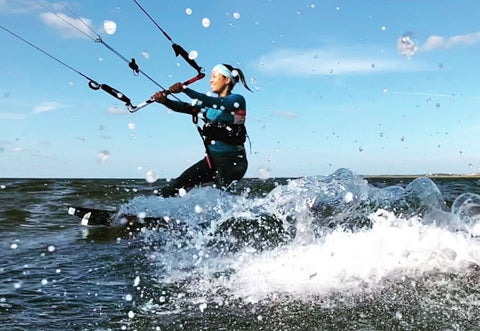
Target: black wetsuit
<point>224,136</point>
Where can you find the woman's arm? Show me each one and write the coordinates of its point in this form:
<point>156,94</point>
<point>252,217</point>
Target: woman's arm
<point>180,107</point>
<point>177,106</point>
<point>231,101</point>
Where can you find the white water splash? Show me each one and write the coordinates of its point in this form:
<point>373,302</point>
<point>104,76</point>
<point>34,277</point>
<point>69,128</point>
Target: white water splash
<point>352,261</point>
<point>317,261</point>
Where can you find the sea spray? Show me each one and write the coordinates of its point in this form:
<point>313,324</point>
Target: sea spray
<point>346,261</point>
<point>341,235</point>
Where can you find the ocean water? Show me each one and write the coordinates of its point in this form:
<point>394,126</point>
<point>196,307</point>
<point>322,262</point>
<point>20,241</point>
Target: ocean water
<point>316,253</point>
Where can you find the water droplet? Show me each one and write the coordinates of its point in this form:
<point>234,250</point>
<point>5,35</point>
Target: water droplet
<point>202,307</point>
<point>131,126</point>
<point>264,173</point>
<point>206,22</point>
<point>110,27</point>
<point>406,44</point>
<point>384,28</point>
<point>198,209</point>
<point>360,149</point>
<point>151,176</point>
<point>136,281</point>
<point>188,11</point>
<point>51,248</point>
<point>348,197</point>
<point>131,314</point>
<point>44,282</point>
<point>103,156</point>
<point>128,297</point>
<point>14,246</point>
<point>193,55</point>
<point>182,192</point>
<point>236,15</point>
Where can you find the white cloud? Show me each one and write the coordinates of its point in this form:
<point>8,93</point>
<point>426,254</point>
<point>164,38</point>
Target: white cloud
<point>46,106</point>
<point>12,116</point>
<point>69,27</point>
<point>17,6</point>
<point>438,42</point>
<point>312,62</point>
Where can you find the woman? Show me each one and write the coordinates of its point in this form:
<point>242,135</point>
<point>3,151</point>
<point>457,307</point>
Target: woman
<point>223,133</point>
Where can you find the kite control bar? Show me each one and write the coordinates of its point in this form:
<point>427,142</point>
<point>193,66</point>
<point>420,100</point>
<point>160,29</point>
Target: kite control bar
<point>134,109</point>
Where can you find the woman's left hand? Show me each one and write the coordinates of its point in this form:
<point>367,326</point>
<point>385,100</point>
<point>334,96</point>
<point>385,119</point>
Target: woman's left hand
<point>176,88</point>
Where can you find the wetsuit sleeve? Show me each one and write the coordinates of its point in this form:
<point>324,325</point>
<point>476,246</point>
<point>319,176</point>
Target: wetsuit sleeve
<point>232,101</point>
<point>181,107</point>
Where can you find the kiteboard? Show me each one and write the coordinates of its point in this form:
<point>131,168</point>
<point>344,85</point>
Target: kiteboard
<point>105,217</point>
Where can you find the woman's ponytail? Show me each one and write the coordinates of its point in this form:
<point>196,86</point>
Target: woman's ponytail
<point>238,74</point>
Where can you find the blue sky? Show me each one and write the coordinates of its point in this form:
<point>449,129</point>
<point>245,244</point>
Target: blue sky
<point>376,86</point>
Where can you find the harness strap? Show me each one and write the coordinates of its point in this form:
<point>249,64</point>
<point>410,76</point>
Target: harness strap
<point>208,156</point>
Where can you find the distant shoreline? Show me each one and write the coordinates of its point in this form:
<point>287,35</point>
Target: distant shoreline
<point>442,176</point>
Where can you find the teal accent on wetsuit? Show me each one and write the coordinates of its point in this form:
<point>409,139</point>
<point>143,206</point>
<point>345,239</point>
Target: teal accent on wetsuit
<point>219,109</point>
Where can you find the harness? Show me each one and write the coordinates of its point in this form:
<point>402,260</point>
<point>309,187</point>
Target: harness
<point>233,134</point>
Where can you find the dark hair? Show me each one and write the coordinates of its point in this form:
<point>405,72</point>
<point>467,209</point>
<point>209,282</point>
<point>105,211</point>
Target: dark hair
<point>238,77</point>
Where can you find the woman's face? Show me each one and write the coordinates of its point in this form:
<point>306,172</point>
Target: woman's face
<point>219,83</point>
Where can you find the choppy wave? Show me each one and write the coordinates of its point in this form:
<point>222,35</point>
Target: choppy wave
<point>325,252</point>
<point>309,238</point>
